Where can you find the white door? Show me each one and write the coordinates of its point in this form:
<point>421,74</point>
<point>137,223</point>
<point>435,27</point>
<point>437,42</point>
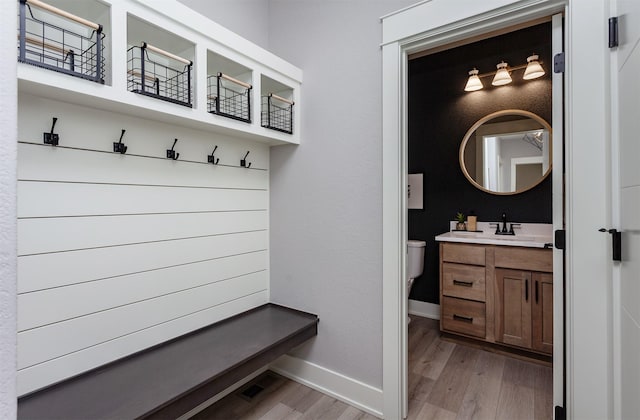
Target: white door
<point>626,202</point>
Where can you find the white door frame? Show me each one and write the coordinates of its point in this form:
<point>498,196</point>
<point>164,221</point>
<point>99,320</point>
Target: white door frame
<point>615,221</point>
<point>434,23</point>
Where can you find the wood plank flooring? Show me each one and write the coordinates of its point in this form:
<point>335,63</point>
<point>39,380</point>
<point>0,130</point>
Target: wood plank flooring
<point>446,381</point>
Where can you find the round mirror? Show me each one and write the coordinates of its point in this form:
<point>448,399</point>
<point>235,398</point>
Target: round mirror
<point>507,152</point>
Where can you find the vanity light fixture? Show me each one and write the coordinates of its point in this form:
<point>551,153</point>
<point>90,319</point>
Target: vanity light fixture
<point>502,76</point>
<point>534,69</point>
<point>474,82</point>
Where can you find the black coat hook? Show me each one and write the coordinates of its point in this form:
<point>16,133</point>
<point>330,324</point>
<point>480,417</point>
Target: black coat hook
<point>243,161</point>
<point>119,147</point>
<point>211,158</point>
<point>51,137</point>
<point>171,154</point>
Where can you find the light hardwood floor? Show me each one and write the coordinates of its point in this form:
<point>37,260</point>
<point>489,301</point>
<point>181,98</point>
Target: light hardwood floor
<point>446,381</point>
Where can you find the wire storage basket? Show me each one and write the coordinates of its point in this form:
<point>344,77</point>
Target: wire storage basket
<point>277,113</point>
<point>58,40</point>
<point>151,77</point>
<point>229,97</point>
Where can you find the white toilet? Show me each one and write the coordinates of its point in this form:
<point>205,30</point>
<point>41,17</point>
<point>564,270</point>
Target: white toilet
<point>415,262</point>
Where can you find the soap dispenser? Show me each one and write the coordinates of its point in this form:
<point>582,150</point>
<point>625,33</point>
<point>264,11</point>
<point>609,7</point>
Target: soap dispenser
<point>472,222</point>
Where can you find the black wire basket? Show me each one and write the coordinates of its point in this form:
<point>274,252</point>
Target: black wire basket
<point>277,113</point>
<point>229,97</point>
<point>149,77</point>
<point>76,49</point>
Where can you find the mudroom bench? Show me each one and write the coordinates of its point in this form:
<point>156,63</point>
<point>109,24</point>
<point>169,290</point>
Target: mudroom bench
<point>171,378</point>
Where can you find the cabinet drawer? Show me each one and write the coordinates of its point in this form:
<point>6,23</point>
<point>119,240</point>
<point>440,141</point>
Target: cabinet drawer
<point>463,281</point>
<point>533,259</point>
<point>463,316</point>
<point>463,253</point>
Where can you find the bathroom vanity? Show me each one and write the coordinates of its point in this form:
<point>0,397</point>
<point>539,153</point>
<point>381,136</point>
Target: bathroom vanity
<point>498,289</point>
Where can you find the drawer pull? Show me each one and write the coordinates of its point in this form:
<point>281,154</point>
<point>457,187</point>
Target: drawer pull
<point>463,318</point>
<point>462,283</point>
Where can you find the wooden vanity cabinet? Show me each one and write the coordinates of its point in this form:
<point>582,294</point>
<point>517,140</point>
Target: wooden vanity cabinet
<point>500,294</point>
<point>463,286</point>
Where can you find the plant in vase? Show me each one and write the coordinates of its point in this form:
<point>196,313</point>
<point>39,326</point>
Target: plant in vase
<point>460,225</point>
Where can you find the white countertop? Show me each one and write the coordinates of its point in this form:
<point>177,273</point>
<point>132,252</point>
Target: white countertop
<point>532,235</point>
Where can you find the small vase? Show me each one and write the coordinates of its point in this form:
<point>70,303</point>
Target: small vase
<point>461,226</point>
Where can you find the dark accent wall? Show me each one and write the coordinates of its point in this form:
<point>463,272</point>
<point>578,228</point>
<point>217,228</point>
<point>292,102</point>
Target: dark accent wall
<point>441,112</point>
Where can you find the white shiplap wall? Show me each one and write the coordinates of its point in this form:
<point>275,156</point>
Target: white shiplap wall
<point>117,253</point>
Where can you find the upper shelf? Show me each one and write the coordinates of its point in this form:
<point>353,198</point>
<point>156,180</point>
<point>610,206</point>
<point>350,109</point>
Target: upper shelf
<point>209,46</point>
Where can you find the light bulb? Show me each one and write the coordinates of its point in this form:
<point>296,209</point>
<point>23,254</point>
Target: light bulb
<point>474,82</point>
<point>502,76</point>
<point>534,69</point>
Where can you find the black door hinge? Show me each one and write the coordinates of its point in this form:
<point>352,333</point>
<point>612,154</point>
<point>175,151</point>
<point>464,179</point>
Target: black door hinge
<point>560,414</point>
<point>560,239</point>
<point>613,32</point>
<point>558,63</point>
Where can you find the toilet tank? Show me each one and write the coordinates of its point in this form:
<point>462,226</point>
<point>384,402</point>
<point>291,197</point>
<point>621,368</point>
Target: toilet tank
<point>415,258</point>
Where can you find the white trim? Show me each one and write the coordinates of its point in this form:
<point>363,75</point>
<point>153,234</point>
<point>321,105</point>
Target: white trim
<point>341,387</point>
<point>557,179</point>
<point>439,21</point>
<point>404,9</point>
<point>222,394</point>
<point>393,234</point>
<point>616,297</point>
<point>424,309</point>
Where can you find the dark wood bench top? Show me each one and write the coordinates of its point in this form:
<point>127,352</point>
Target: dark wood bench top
<point>169,379</point>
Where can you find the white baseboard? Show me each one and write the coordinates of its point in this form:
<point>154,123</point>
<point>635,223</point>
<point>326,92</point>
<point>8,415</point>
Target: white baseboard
<point>424,309</point>
<point>343,388</point>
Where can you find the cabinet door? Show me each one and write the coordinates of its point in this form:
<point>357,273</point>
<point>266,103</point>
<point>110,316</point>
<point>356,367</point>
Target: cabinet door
<point>542,312</point>
<point>513,307</point>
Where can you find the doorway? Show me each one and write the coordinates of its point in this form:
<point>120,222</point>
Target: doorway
<point>440,112</point>
<point>587,173</point>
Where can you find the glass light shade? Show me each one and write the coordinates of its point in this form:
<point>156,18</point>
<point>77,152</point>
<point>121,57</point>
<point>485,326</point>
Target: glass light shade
<point>474,82</point>
<point>502,76</point>
<point>534,69</point>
